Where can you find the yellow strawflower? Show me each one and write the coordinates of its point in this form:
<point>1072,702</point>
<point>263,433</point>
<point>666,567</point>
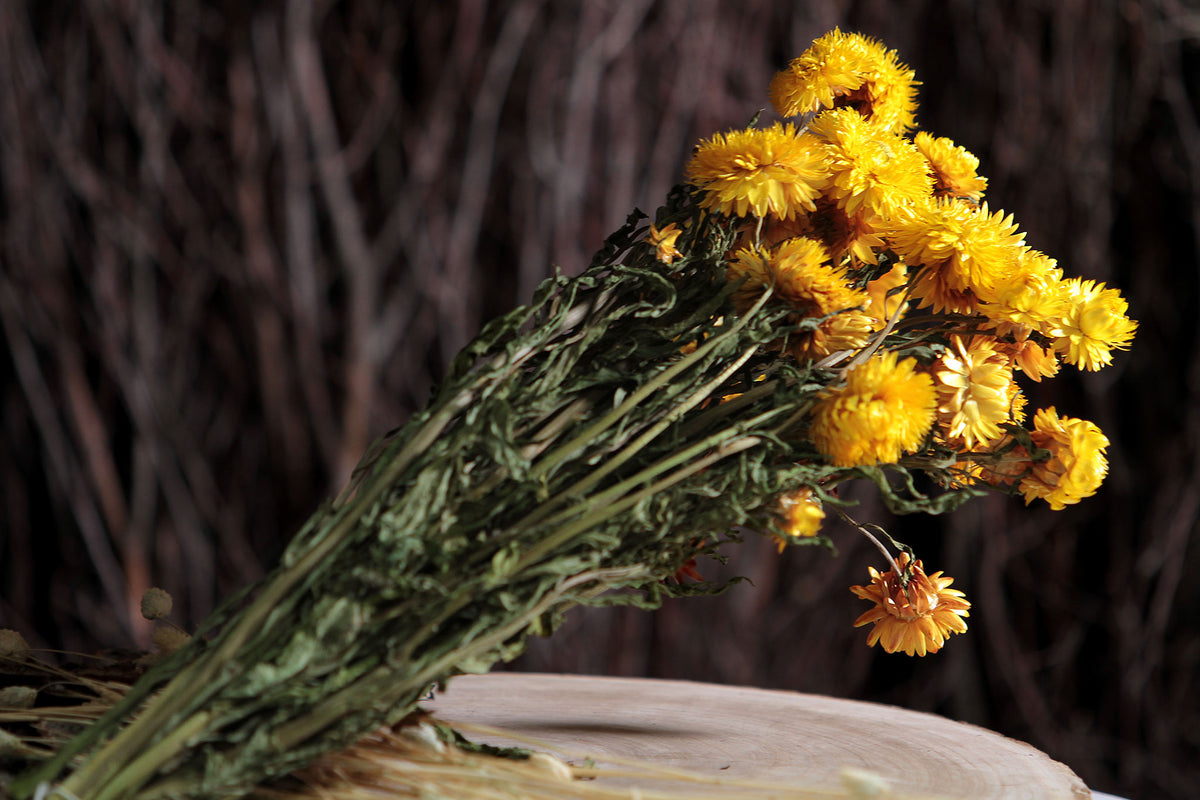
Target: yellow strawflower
<point>663,241</point>
<point>1094,325</point>
<point>1030,299</point>
<point>1034,360</point>
<point>884,409</point>
<point>970,254</point>
<point>870,169</point>
<point>848,69</point>
<point>916,617</point>
<point>975,390</point>
<point>801,514</point>
<point>773,172</point>
<point>800,272</point>
<point>955,170</point>
<point>1077,463</point>
<point>850,330</point>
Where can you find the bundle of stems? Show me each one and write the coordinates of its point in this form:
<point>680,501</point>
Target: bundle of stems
<point>578,453</point>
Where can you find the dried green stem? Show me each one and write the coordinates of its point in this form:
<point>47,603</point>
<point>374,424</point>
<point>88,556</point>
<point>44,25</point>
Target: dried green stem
<point>664,378</point>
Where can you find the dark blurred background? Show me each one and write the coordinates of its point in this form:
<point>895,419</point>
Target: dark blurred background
<point>240,240</point>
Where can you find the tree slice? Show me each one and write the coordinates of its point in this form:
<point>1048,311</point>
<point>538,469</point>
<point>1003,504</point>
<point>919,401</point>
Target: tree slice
<point>741,734</point>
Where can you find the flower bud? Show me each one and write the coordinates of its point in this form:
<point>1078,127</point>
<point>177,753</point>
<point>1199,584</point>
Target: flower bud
<point>13,645</point>
<point>156,603</point>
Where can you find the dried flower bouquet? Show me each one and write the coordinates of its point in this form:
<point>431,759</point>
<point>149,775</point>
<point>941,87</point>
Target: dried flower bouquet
<point>824,300</point>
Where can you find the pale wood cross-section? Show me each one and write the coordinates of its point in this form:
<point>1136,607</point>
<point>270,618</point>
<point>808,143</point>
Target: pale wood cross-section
<point>743,734</point>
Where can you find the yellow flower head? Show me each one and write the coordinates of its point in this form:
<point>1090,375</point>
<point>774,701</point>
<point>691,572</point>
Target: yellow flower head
<point>871,170</point>
<point>1031,358</point>
<point>1031,299</point>
<point>761,172</point>
<point>916,618</point>
<point>1077,463</point>
<point>1094,325</point>
<point>850,330</point>
<point>966,250</point>
<point>885,409</point>
<point>663,241</point>
<point>800,272</point>
<point>848,69</point>
<point>954,168</point>
<point>801,514</point>
<point>975,391</point>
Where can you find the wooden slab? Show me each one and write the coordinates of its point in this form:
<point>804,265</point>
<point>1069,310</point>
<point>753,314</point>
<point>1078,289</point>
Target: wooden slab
<point>797,740</point>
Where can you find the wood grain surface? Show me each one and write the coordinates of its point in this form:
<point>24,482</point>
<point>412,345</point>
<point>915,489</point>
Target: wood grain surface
<point>745,734</point>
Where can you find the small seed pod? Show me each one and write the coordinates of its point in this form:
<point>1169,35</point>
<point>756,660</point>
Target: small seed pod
<point>13,645</point>
<point>156,603</point>
<point>168,639</point>
<point>19,697</point>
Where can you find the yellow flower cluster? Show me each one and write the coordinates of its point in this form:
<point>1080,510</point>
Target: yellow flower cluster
<point>824,202</point>
<point>929,305</point>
